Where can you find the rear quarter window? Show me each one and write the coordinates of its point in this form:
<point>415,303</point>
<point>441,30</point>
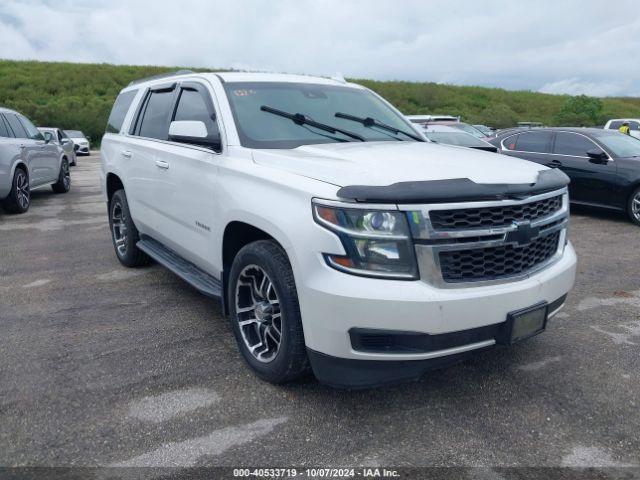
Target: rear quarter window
<point>119,111</point>
<point>534,142</point>
<point>3,128</point>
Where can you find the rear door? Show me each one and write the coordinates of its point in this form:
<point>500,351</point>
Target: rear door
<point>10,154</point>
<point>141,158</point>
<point>590,182</point>
<point>533,145</point>
<point>31,151</point>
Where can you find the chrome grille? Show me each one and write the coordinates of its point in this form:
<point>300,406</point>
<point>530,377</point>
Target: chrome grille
<point>496,262</point>
<point>469,244</point>
<point>494,216</point>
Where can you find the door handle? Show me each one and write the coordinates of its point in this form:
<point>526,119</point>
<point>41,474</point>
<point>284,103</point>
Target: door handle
<point>554,164</point>
<point>162,164</point>
<point>126,154</point>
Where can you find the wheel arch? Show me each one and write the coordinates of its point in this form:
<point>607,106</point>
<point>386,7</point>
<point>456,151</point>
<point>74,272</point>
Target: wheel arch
<point>113,184</point>
<point>238,234</point>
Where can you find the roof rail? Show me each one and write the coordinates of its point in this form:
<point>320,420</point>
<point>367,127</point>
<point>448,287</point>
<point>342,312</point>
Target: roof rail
<point>159,76</point>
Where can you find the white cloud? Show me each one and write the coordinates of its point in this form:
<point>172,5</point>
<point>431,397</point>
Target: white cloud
<point>559,47</point>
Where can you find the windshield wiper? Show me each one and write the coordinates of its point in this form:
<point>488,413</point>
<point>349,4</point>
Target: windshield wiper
<point>300,119</point>
<point>372,122</point>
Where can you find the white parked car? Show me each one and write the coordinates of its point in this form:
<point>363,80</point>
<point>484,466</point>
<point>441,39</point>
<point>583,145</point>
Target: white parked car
<point>81,142</point>
<point>616,123</point>
<point>336,237</point>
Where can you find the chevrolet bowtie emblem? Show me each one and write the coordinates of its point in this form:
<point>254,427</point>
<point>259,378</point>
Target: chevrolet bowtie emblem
<point>523,234</point>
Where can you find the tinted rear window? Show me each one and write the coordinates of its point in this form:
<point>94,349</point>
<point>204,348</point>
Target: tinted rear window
<point>119,111</point>
<point>573,144</point>
<point>535,142</point>
<point>155,122</point>
<point>3,129</point>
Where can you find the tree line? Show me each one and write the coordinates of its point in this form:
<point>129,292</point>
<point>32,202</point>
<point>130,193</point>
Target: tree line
<point>80,97</point>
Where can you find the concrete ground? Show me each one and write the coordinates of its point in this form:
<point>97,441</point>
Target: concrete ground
<point>102,365</point>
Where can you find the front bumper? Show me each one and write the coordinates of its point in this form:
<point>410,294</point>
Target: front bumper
<point>333,303</point>
<point>82,149</point>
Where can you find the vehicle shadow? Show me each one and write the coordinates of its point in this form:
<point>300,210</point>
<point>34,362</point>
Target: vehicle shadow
<point>600,213</point>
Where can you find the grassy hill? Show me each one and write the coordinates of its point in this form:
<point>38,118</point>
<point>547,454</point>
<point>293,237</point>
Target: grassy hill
<point>80,96</point>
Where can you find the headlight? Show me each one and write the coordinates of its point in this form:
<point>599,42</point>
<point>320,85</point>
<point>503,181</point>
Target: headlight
<point>377,242</point>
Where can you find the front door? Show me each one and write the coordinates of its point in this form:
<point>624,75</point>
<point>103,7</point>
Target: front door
<point>188,178</point>
<point>590,182</point>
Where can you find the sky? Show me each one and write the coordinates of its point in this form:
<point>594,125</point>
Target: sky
<point>587,47</point>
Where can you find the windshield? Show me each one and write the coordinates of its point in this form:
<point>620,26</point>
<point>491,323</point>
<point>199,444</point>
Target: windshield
<point>619,144</point>
<point>469,129</point>
<point>75,133</point>
<point>320,103</point>
<point>456,138</point>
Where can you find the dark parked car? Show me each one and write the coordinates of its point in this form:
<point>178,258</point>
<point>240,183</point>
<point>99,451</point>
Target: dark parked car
<point>453,136</point>
<point>604,165</point>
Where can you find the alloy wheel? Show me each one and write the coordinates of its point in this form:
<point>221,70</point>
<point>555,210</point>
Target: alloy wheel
<point>23,193</point>
<point>635,206</point>
<point>258,313</point>
<point>66,177</point>
<point>119,228</point>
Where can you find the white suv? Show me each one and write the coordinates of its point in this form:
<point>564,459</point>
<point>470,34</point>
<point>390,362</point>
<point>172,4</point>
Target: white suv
<point>336,237</point>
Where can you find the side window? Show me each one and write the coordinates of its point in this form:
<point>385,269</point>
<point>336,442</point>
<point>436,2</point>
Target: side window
<point>510,142</point>
<point>535,142</point>
<point>572,144</point>
<point>155,116</point>
<point>16,126</point>
<point>192,105</point>
<point>634,125</point>
<point>32,132</point>
<point>4,132</point>
<point>615,125</point>
<point>119,111</point>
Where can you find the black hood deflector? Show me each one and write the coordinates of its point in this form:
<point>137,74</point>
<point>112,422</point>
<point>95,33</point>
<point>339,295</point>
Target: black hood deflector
<point>454,190</point>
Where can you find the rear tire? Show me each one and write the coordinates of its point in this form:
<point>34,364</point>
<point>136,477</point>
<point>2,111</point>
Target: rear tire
<point>265,313</point>
<point>124,233</point>
<point>63,185</point>
<point>633,206</point>
<point>19,198</point>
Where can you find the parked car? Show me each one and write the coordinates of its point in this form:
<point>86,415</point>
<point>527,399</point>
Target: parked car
<point>488,131</point>
<point>61,139</point>
<point>28,160</point>
<point>452,136</point>
<point>465,127</point>
<point>604,165</point>
<point>80,141</point>
<point>530,125</point>
<point>422,119</point>
<point>616,123</point>
<point>335,236</point>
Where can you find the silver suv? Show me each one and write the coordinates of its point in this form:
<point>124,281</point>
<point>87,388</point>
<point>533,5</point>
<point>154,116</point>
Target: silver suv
<point>28,160</point>
<point>61,139</point>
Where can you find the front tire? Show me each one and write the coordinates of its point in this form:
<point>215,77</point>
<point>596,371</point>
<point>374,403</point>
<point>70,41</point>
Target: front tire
<point>265,313</point>
<point>63,185</point>
<point>19,198</point>
<point>124,233</point>
<point>633,206</point>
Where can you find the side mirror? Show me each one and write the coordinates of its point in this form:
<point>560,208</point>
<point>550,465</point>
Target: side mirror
<point>65,141</point>
<point>48,137</point>
<point>598,156</point>
<point>193,132</point>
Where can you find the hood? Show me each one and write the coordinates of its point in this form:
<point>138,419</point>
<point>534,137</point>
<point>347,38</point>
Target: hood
<point>386,163</point>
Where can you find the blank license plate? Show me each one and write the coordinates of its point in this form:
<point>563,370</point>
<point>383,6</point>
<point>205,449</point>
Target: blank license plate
<point>527,323</point>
